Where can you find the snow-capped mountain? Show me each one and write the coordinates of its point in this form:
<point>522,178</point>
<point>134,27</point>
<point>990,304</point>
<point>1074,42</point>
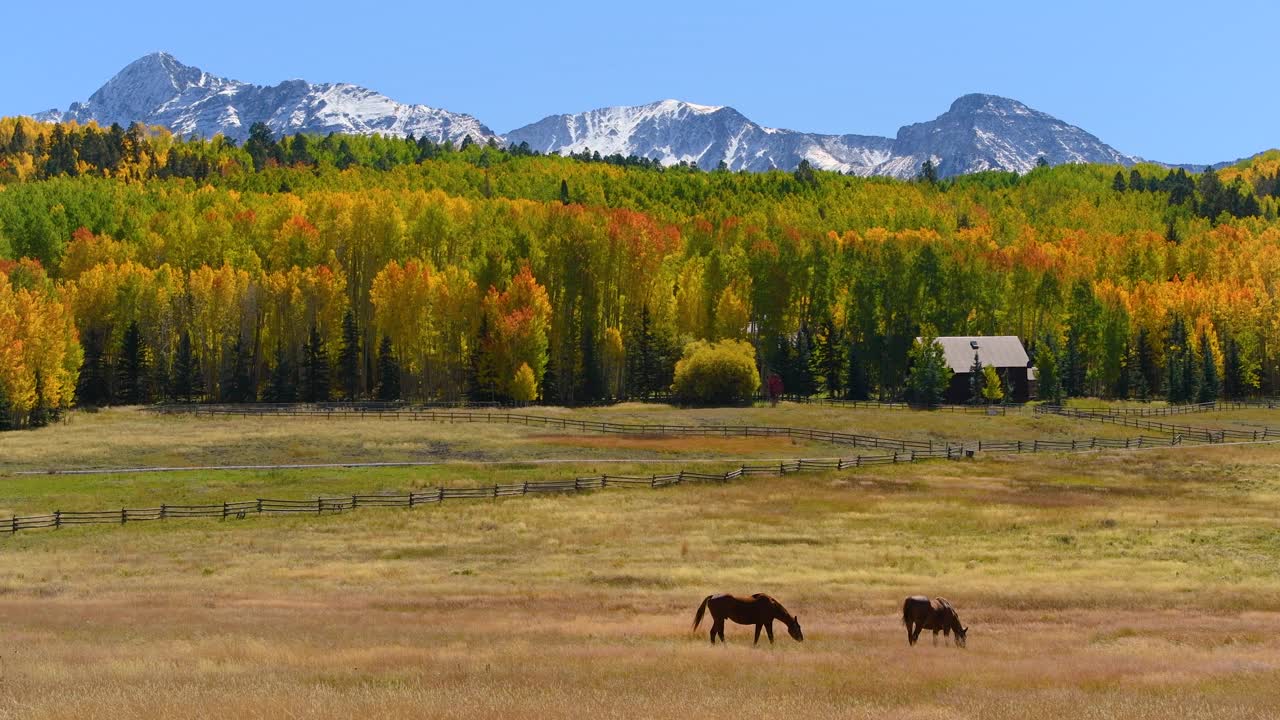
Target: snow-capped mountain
<point>672,131</point>
<point>978,132</point>
<point>158,90</point>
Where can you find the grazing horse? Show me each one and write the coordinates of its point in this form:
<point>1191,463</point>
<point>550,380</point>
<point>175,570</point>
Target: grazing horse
<point>759,610</point>
<point>937,614</point>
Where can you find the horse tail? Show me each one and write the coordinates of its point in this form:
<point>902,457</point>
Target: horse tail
<point>906,612</point>
<point>697,618</point>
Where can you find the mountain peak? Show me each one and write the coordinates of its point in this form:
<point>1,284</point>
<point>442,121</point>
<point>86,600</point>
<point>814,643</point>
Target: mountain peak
<point>671,105</point>
<point>981,102</point>
<point>158,89</point>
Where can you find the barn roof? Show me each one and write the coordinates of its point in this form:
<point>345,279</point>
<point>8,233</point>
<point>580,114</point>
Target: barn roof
<point>1001,351</point>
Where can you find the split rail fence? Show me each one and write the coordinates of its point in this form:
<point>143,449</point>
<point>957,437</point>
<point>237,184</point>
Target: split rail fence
<point>343,503</point>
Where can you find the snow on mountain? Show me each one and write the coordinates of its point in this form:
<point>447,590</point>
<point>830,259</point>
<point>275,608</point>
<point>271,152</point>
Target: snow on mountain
<point>978,132</point>
<point>987,132</point>
<point>159,90</point>
<point>673,131</point>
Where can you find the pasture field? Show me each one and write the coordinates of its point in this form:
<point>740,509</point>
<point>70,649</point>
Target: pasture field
<point>1135,584</point>
<point>129,437</point>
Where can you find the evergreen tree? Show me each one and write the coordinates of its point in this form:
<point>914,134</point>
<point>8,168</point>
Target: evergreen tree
<point>977,380</point>
<point>349,358</point>
<point>644,375</point>
<point>1148,368</point>
<point>6,409</point>
<point>1048,378</point>
<point>1118,183</point>
<point>131,368</point>
<point>802,380</point>
<point>18,142</point>
<point>858,384</point>
<point>388,389</point>
<point>828,358</point>
<point>238,386</point>
<point>1233,382</point>
<point>564,192</point>
<point>261,145</point>
<point>482,373</point>
<point>929,172</point>
<point>42,412</point>
<point>929,377</point>
<point>282,386</point>
<point>1042,162</point>
<point>591,378</point>
<point>93,387</point>
<point>315,369</point>
<point>185,385</point>
<point>1210,381</point>
<point>299,153</point>
<point>804,174</point>
<point>1136,183</point>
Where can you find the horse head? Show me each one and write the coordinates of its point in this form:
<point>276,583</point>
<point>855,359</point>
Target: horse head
<point>960,635</point>
<point>793,629</point>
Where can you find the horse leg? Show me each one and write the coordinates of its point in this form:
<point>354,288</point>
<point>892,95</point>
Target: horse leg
<point>758,626</point>
<point>769,629</point>
<point>910,639</point>
<point>915,634</point>
<point>935,638</point>
<point>714,624</point>
<point>722,632</point>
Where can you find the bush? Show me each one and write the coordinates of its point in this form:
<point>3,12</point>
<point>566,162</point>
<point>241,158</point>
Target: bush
<point>524,388</point>
<point>719,373</point>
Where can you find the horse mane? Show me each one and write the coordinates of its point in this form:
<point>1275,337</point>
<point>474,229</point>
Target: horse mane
<point>790,619</point>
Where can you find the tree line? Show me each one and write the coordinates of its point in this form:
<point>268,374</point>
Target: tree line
<point>501,274</point>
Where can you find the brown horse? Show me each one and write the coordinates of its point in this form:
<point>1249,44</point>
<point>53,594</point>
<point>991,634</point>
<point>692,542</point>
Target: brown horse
<point>937,614</point>
<point>759,610</point>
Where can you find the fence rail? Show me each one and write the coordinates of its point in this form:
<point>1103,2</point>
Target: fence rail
<point>1187,432</point>
<point>333,504</point>
<point>1168,410</point>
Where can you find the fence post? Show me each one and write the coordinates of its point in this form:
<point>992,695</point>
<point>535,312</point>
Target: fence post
<point>224,510</point>
<point>354,502</point>
<point>14,531</point>
<point>57,519</point>
<point>123,517</point>
<point>164,511</point>
<point>319,507</point>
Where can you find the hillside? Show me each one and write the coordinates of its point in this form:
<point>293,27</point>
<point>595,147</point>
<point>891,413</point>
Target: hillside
<point>164,268</point>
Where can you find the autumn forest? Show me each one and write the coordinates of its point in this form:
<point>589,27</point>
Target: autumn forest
<point>136,266</point>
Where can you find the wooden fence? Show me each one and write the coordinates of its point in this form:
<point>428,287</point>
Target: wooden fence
<point>343,503</point>
<point>1167,410</point>
<point>1187,432</point>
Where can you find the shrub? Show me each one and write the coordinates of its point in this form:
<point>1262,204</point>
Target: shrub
<point>718,373</point>
<point>524,388</point>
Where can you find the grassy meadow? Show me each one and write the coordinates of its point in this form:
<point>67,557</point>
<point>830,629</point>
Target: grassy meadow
<point>1142,584</point>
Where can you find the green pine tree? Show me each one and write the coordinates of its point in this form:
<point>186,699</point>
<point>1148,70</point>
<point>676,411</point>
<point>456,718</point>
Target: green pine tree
<point>349,358</point>
<point>185,386</point>
<point>315,369</point>
<point>388,389</point>
<point>132,376</point>
<point>929,376</point>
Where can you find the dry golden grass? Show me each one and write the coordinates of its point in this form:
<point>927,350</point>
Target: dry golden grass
<point>1116,584</point>
<point>129,437</point>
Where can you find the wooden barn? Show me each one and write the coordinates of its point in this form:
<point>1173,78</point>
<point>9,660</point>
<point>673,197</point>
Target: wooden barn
<point>1004,352</point>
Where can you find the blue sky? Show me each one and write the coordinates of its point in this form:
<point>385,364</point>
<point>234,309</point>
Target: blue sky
<point>1173,81</point>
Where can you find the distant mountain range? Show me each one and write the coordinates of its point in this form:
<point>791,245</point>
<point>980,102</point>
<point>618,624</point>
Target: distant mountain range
<point>978,132</point>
